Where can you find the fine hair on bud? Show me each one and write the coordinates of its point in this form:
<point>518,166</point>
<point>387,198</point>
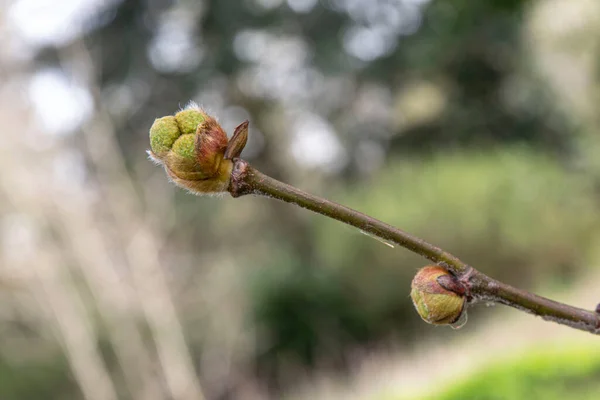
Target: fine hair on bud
<point>192,146</point>
<point>436,303</point>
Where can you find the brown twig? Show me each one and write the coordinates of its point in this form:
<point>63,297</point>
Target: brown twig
<point>247,180</point>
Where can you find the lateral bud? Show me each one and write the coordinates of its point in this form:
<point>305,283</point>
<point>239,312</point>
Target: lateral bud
<point>438,297</point>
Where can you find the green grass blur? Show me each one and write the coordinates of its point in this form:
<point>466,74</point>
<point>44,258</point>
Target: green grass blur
<point>570,373</point>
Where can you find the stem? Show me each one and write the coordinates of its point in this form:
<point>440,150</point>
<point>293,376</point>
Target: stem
<point>247,180</point>
<point>482,287</point>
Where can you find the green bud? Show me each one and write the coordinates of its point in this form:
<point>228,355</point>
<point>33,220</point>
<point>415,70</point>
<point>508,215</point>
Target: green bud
<point>184,147</point>
<point>189,119</point>
<point>434,303</point>
<point>163,134</point>
<point>192,147</point>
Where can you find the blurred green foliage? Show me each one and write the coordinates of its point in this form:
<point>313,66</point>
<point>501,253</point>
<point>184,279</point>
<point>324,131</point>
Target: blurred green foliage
<point>47,379</point>
<point>512,211</point>
<point>572,374</point>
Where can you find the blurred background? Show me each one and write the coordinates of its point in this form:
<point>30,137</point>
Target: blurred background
<point>472,124</point>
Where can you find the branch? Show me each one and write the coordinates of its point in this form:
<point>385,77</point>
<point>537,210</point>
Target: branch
<point>197,155</point>
<point>474,284</point>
